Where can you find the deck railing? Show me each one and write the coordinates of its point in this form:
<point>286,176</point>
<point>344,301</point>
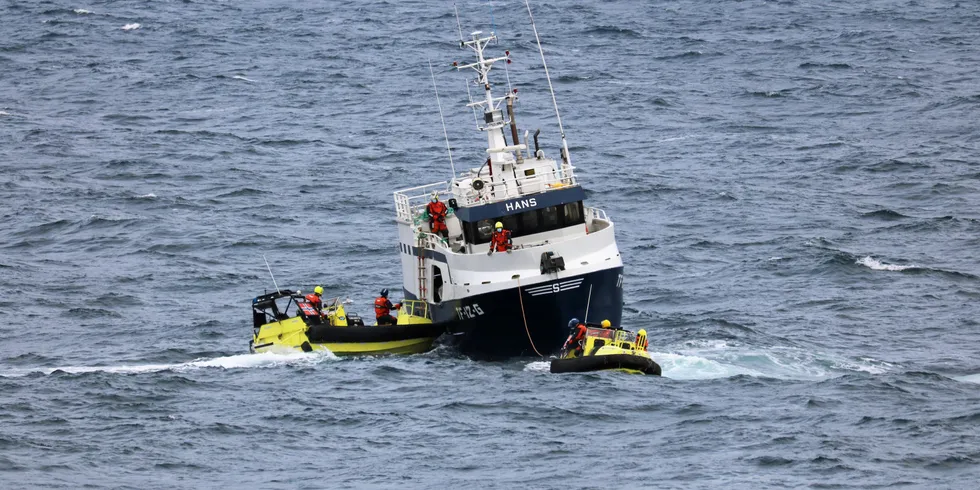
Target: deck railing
<point>409,203</point>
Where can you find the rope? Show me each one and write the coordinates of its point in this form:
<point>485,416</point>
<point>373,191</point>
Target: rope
<point>521,297</point>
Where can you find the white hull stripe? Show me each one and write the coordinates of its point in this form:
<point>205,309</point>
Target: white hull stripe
<point>555,287</point>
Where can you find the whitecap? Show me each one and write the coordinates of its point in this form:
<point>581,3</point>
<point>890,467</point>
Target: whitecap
<point>130,27</point>
<point>240,77</point>
<point>147,196</point>
<point>969,378</point>
<point>82,11</point>
<point>539,366</point>
<point>710,359</point>
<point>680,366</point>
<point>240,361</point>
<point>874,264</point>
<point>4,113</point>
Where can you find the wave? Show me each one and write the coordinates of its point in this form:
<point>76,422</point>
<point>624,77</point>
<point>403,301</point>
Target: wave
<point>538,366</point>
<point>969,378</point>
<point>875,264</point>
<point>240,361</point>
<point>246,192</point>
<point>884,214</point>
<point>835,66</point>
<point>772,93</point>
<point>131,27</point>
<point>613,31</point>
<point>687,54</point>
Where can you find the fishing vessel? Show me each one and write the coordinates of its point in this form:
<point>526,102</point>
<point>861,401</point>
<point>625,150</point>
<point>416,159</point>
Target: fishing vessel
<point>564,263</point>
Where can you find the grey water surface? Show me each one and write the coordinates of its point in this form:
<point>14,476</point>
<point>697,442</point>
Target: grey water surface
<point>795,187</point>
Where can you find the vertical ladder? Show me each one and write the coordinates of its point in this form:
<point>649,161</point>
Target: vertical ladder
<point>420,251</point>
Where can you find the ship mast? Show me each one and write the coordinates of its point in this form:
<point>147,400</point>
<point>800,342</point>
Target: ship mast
<point>493,117</point>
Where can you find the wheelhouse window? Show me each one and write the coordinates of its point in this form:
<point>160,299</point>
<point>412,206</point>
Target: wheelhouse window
<point>573,213</point>
<point>528,222</point>
<point>484,229</point>
<point>549,218</point>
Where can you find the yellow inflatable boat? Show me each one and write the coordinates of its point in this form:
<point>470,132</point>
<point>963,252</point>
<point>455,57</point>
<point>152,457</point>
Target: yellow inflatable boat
<point>285,319</point>
<point>608,349</point>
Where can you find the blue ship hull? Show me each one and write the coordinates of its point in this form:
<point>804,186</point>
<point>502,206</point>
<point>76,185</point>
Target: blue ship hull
<point>492,325</point>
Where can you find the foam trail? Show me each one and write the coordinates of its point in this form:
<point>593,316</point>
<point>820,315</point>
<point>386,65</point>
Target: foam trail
<point>874,264</point>
<point>240,361</point>
<point>679,366</point>
<point>538,367</point>
<point>712,359</point>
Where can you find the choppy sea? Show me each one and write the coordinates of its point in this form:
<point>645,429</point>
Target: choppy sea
<point>796,189</point>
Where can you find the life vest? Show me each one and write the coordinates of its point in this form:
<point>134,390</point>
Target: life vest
<point>313,299</point>
<point>382,307</point>
<point>308,309</point>
<point>437,216</point>
<point>579,333</point>
<point>500,242</point>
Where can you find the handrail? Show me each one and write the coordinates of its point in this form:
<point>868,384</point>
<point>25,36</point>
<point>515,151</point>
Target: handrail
<point>556,178</point>
<point>403,201</point>
<point>596,213</point>
<point>415,307</point>
<point>409,202</point>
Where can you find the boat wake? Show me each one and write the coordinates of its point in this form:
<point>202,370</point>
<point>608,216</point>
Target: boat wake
<point>698,360</point>
<point>239,361</point>
<point>720,359</point>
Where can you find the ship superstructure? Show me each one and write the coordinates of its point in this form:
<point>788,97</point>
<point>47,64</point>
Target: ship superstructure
<point>565,262</point>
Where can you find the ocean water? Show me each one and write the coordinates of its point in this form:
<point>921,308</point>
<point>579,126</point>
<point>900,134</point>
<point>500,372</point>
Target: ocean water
<point>795,186</point>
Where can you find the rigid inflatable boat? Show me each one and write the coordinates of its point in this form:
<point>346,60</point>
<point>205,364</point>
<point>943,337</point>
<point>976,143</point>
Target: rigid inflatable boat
<point>332,328</point>
<point>608,349</point>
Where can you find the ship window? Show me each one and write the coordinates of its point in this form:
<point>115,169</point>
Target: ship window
<point>511,223</point>
<point>483,230</point>
<point>573,213</point>
<point>529,222</point>
<point>549,218</point>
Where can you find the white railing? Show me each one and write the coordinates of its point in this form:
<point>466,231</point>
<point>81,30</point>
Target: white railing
<point>595,213</point>
<point>408,201</point>
<point>596,220</point>
<point>510,188</point>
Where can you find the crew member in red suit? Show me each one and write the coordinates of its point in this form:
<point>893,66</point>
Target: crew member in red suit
<point>437,216</point>
<point>500,240</point>
<point>575,338</point>
<point>382,309</point>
